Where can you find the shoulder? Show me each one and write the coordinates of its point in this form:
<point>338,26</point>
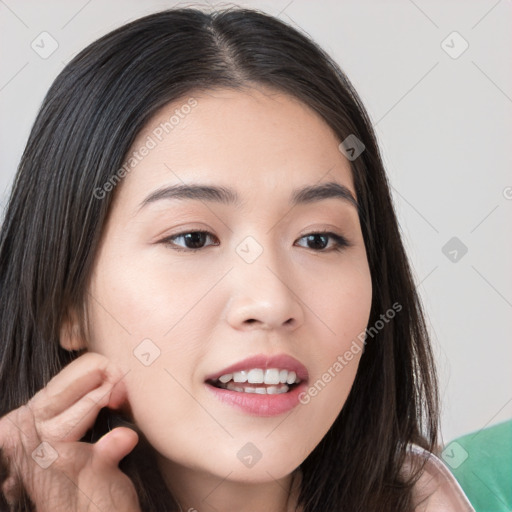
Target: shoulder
<point>436,490</point>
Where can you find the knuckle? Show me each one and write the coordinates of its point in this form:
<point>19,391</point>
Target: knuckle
<point>109,370</point>
<point>94,359</point>
<point>100,364</point>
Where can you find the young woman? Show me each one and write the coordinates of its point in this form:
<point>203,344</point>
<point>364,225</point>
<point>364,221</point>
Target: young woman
<point>205,301</point>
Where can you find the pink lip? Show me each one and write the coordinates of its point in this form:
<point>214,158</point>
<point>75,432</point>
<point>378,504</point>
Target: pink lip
<point>280,361</point>
<point>256,404</point>
<point>260,405</point>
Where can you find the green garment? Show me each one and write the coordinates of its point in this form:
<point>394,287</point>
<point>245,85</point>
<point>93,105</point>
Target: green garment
<point>482,464</point>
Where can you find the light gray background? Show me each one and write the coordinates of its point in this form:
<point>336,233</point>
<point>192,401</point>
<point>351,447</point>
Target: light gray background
<point>444,126</point>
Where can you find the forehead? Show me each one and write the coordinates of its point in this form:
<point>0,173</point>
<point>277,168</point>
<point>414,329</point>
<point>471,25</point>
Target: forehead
<point>258,141</point>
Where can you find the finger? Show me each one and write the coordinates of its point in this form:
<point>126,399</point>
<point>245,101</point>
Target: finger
<point>115,445</point>
<point>119,395</point>
<point>81,376</point>
<point>73,423</point>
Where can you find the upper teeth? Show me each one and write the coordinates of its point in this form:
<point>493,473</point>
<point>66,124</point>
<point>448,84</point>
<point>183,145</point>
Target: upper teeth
<point>259,376</point>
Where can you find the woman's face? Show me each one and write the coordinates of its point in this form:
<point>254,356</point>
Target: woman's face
<point>173,310</point>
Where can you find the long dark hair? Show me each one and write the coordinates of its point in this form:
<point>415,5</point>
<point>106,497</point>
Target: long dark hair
<point>54,221</point>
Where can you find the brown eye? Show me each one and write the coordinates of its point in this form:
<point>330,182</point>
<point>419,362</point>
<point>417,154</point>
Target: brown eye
<point>319,241</point>
<point>193,240</point>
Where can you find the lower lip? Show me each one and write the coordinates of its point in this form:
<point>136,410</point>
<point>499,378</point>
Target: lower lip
<point>260,405</point>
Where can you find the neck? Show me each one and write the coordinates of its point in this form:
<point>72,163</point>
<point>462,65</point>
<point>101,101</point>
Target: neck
<point>203,492</point>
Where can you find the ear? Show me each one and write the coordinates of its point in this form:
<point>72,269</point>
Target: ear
<point>70,336</point>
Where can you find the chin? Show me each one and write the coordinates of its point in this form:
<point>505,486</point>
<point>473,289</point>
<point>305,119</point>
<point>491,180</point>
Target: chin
<point>258,474</point>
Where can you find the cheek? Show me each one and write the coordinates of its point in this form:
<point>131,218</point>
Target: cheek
<point>145,318</point>
<point>341,301</point>
<point>138,298</point>
<point>342,310</point>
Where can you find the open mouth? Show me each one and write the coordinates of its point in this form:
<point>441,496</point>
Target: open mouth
<point>271,381</point>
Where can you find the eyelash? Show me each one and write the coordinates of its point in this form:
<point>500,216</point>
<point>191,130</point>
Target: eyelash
<point>340,242</point>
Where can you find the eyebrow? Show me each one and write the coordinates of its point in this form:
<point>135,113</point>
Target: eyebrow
<point>228,196</point>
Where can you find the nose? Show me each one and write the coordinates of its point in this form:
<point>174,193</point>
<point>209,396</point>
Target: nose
<point>263,295</point>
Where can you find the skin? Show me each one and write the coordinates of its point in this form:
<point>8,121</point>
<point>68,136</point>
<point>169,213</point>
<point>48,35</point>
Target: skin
<point>207,309</point>
<point>40,449</point>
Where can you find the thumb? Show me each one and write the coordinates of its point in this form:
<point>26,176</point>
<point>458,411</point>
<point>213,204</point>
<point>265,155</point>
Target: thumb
<point>115,445</point>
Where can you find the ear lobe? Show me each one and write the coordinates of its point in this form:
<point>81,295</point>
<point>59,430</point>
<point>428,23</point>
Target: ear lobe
<point>70,335</point>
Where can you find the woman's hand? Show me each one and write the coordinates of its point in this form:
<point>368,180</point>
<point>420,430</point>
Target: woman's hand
<point>40,443</point>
